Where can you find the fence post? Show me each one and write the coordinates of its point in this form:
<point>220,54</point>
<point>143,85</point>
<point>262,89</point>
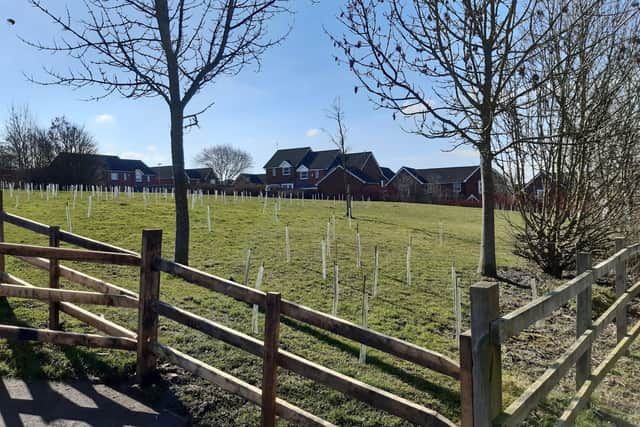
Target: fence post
<point>54,278</point>
<point>583,318</point>
<point>147,314</point>
<point>270,359</point>
<point>466,380</point>
<point>486,354</point>
<point>621,276</point>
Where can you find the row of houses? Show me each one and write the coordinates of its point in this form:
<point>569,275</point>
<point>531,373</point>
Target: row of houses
<point>298,170</point>
<point>326,172</point>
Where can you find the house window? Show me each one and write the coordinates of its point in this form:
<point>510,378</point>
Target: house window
<point>286,171</point>
<point>138,175</point>
<point>126,176</point>
<point>480,187</point>
<point>148,178</point>
<point>457,187</point>
<point>114,176</point>
<point>317,174</point>
<point>303,175</point>
<point>273,172</point>
<point>287,186</point>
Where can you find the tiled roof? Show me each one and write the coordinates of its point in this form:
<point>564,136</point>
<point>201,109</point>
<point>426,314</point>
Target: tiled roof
<point>291,155</point>
<point>357,160</point>
<point>387,173</point>
<point>444,175</point>
<point>252,178</point>
<point>320,159</point>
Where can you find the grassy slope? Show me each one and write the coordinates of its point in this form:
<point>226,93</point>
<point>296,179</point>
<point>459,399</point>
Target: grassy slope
<point>421,313</point>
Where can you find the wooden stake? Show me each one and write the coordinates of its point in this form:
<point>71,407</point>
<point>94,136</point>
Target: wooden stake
<point>54,278</point>
<point>270,359</point>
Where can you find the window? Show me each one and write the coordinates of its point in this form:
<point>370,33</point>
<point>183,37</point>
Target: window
<point>317,174</point>
<point>287,186</point>
<point>114,176</point>
<point>138,175</point>
<point>303,175</point>
<point>148,178</point>
<point>273,172</point>
<point>457,187</point>
<point>286,171</point>
<point>126,176</point>
<point>480,187</point>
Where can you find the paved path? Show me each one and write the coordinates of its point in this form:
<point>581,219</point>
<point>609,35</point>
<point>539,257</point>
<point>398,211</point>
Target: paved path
<point>77,404</point>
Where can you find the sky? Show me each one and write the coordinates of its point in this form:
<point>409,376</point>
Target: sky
<point>281,105</point>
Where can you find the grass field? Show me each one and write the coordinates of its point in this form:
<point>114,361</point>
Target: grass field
<point>421,313</point>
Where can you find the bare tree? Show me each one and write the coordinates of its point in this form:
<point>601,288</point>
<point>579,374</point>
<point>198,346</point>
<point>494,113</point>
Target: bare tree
<point>70,138</point>
<point>157,48</point>
<point>446,67</point>
<point>19,132</point>
<point>575,163</point>
<point>339,139</point>
<point>225,161</point>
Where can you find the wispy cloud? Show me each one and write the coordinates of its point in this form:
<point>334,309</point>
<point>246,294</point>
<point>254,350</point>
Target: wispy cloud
<point>313,132</point>
<point>104,118</point>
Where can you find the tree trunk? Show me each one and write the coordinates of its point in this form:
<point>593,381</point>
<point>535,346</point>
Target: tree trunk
<point>181,251</point>
<point>487,265</point>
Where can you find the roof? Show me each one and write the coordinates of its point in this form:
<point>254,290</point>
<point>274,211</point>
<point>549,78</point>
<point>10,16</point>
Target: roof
<point>387,173</point>
<point>291,155</point>
<point>252,178</point>
<point>320,159</point>
<point>357,160</point>
<point>163,172</point>
<point>450,175</point>
<point>113,163</point>
<point>199,173</point>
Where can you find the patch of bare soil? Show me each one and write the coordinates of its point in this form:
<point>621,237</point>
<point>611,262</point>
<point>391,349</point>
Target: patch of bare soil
<point>528,355</point>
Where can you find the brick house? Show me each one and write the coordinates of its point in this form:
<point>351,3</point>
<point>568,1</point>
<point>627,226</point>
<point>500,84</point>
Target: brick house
<point>363,174</point>
<point>100,169</point>
<point>298,168</point>
<point>195,177</point>
<point>250,182</point>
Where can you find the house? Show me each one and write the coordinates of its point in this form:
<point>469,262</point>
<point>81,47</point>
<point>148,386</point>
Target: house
<point>451,184</point>
<point>100,169</point>
<point>298,168</point>
<point>361,172</point>
<point>195,177</point>
<point>250,182</point>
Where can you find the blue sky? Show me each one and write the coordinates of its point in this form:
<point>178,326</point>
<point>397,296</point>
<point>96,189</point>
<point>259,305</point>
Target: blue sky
<point>282,105</point>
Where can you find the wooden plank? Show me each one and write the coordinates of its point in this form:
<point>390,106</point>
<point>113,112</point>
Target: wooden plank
<point>486,354</point>
<point>211,328</point>
<point>604,267</point>
<point>584,313</point>
<point>513,323</point>
<point>584,393</point>
<point>81,278</point>
<point>69,254</point>
<point>466,380</point>
<point>399,348</point>
<point>54,279</point>
<point>211,282</point>
<point>371,395</point>
<point>394,346</point>
<point>517,412</point>
<point>147,315</point>
<point>96,245</point>
<point>28,224</point>
<point>79,297</point>
<point>270,359</point>
<point>98,322</point>
<point>66,338</point>
<point>621,278</point>
<point>234,385</point>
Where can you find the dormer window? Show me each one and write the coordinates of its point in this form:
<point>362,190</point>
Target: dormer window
<point>303,175</point>
<point>286,171</point>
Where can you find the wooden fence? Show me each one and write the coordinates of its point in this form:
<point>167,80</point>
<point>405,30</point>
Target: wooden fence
<point>150,306</point>
<point>489,331</point>
<point>479,369</point>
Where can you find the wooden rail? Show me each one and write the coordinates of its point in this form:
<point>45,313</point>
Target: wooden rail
<point>66,338</point>
<point>57,295</point>
<point>487,377</point>
<point>394,346</point>
<point>83,255</point>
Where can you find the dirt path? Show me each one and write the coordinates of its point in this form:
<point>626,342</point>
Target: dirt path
<point>76,403</point>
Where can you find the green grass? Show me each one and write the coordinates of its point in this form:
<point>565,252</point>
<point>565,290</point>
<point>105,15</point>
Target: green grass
<point>421,313</point>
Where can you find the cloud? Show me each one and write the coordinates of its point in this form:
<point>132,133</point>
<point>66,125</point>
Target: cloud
<point>104,119</point>
<point>409,109</point>
<point>313,132</point>
<point>151,148</point>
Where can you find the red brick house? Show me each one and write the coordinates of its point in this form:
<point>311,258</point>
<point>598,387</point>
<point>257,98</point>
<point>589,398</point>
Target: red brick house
<point>363,174</point>
<point>298,168</point>
<point>250,182</point>
<point>195,177</point>
<point>100,169</point>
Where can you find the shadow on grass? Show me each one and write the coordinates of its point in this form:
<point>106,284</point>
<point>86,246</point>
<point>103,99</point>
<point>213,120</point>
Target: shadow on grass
<point>442,393</point>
